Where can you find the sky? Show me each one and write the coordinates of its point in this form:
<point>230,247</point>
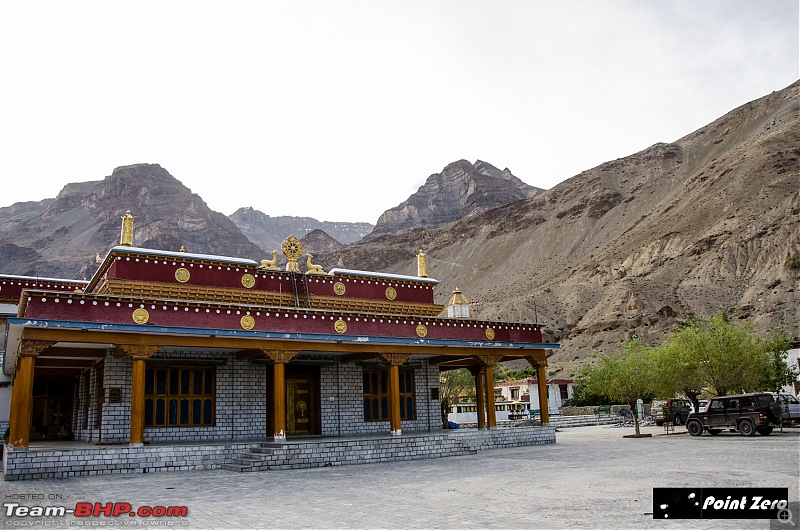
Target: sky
<point>340,110</point>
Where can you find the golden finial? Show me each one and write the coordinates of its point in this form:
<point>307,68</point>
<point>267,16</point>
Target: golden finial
<point>458,306</point>
<point>422,264</point>
<point>183,249</point>
<point>126,237</point>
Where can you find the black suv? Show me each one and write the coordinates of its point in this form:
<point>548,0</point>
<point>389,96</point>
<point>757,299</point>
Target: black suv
<point>747,413</point>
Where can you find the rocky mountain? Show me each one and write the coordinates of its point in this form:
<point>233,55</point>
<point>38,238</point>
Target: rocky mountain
<point>634,246</point>
<point>60,237</point>
<point>461,190</point>
<point>318,241</point>
<point>268,232</point>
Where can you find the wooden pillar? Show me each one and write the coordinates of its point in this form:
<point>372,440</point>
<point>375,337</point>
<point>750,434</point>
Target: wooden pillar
<point>280,358</point>
<point>394,400</point>
<point>480,401</point>
<point>139,355</point>
<point>22,392</point>
<point>279,401</point>
<point>491,417</point>
<point>395,360</point>
<point>541,377</point>
<point>489,362</point>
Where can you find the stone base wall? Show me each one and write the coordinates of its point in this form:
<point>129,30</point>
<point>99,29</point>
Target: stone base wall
<point>562,422</point>
<point>25,464</point>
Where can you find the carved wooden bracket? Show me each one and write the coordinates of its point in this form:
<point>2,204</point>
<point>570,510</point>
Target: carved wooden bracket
<point>489,360</point>
<point>395,359</point>
<point>538,358</point>
<point>32,348</point>
<point>280,356</point>
<point>138,352</point>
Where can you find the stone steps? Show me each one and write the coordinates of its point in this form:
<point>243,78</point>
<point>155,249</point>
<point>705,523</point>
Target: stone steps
<point>273,456</point>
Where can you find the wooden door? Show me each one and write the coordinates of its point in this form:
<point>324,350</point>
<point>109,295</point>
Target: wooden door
<point>303,416</point>
<point>302,401</point>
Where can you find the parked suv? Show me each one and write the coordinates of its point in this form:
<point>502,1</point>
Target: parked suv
<point>747,413</point>
<point>680,410</point>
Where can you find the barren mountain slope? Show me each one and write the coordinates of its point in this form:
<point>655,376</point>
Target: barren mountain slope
<point>637,245</point>
<point>60,237</point>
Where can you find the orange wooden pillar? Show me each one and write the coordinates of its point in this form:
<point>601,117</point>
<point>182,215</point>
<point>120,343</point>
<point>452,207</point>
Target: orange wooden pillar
<point>281,359</point>
<point>480,401</point>
<point>541,378</point>
<point>139,355</point>
<point>22,392</point>
<point>394,400</point>
<point>279,401</point>
<point>394,360</point>
<point>491,416</point>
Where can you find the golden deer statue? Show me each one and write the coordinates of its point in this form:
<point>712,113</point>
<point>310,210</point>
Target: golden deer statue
<point>313,269</point>
<point>270,265</point>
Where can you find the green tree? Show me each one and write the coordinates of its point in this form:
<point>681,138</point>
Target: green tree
<point>722,356</point>
<point>583,397</point>
<point>626,376</point>
<point>681,364</point>
<point>454,384</point>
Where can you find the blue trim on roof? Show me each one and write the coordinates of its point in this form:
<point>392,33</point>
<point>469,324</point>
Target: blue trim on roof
<point>243,334</point>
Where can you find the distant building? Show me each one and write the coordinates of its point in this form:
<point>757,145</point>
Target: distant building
<point>527,391</point>
<point>793,359</point>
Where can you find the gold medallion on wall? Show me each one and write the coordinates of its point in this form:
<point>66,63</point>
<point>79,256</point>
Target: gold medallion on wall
<point>182,275</point>
<point>422,331</point>
<point>248,281</point>
<point>339,288</point>
<point>141,316</point>
<point>248,322</point>
<point>391,294</point>
<point>340,326</point>
<point>490,333</point>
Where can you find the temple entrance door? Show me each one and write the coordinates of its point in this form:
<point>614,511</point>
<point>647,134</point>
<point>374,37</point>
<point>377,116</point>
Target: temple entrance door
<point>302,401</point>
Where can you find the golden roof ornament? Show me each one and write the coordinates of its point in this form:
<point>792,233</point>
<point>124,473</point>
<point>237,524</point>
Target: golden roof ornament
<point>292,248</point>
<point>458,307</point>
<point>313,269</point>
<point>270,265</point>
<point>183,249</point>
<point>126,236</point>
<point>422,264</point>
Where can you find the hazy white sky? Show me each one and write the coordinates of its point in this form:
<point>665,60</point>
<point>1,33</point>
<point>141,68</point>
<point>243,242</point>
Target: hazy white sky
<point>339,110</point>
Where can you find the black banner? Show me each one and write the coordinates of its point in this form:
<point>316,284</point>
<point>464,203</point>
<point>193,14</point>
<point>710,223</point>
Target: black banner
<point>720,503</point>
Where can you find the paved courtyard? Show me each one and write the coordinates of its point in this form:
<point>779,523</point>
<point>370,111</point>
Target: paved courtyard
<point>591,478</point>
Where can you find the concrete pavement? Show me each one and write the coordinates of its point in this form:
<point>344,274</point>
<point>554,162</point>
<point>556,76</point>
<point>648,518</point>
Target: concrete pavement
<point>591,478</point>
